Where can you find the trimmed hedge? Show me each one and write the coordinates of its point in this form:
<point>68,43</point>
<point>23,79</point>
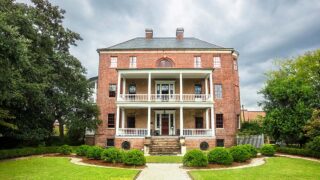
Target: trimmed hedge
<point>65,149</point>
<point>268,150</point>
<point>94,152</point>
<point>134,157</point>
<point>220,155</point>
<point>13,153</point>
<point>195,158</point>
<point>82,150</point>
<point>113,155</point>
<point>252,150</point>
<point>299,152</point>
<point>240,153</point>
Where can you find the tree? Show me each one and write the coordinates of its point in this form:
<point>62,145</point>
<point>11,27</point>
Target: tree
<point>312,127</point>
<point>291,93</point>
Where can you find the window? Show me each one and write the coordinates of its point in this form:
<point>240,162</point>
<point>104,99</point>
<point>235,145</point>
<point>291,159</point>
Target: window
<point>216,62</point>
<point>110,142</point>
<point>111,121</point>
<point>238,121</point>
<point>235,65</point>
<point>133,62</point>
<point>220,143</point>
<point>112,90</point>
<point>113,63</point>
<point>158,121</point>
<point>199,123</point>
<point>197,62</point>
<point>219,120</point>
<point>165,63</point>
<point>131,122</point>
<point>197,88</point>
<point>218,91</point>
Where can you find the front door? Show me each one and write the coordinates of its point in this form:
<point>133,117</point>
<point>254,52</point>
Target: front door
<point>165,124</point>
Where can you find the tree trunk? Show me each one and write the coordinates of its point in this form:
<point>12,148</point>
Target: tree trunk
<point>61,129</point>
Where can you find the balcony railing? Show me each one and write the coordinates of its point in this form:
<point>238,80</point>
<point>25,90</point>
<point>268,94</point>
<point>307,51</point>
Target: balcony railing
<point>164,97</point>
<point>197,132</point>
<point>132,132</point>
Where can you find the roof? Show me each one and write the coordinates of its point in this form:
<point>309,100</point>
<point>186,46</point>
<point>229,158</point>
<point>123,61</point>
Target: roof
<point>93,78</point>
<point>141,43</point>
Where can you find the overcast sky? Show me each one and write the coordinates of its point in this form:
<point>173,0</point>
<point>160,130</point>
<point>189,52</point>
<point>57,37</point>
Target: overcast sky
<point>260,30</point>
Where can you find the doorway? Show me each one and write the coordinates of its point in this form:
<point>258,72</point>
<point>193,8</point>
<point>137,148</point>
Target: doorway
<point>165,122</point>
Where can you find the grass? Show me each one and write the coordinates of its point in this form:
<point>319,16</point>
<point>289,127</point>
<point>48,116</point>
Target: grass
<point>58,168</point>
<point>164,159</point>
<point>275,168</point>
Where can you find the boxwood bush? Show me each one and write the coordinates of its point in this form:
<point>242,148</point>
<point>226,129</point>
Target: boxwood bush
<point>252,150</point>
<point>240,153</point>
<point>299,152</point>
<point>195,158</point>
<point>268,150</point>
<point>94,152</point>
<point>314,145</point>
<point>220,155</point>
<point>13,153</point>
<point>82,150</point>
<point>134,157</point>
<point>113,155</point>
<point>65,149</point>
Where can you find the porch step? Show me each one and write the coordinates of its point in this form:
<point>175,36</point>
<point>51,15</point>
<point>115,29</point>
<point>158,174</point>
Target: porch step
<point>165,146</point>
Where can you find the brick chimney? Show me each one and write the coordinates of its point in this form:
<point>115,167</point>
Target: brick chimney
<point>179,33</point>
<point>149,33</point>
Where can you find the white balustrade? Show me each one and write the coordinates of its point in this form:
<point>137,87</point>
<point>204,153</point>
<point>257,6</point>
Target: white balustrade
<point>197,132</point>
<point>165,97</point>
<point>132,132</point>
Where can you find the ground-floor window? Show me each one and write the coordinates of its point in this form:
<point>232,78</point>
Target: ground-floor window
<point>111,120</point>
<point>220,143</point>
<point>110,142</point>
<point>199,123</point>
<point>219,120</point>
<point>131,122</point>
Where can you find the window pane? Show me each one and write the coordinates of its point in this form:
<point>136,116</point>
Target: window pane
<point>197,88</point>
<point>219,120</point>
<point>217,62</point>
<point>111,121</point>
<point>158,120</point>
<point>113,62</point>
<point>112,90</point>
<point>218,91</point>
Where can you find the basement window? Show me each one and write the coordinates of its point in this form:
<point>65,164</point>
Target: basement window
<point>110,142</point>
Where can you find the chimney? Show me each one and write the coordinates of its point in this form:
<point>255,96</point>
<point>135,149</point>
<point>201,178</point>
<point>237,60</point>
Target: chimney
<point>149,33</point>
<point>179,33</point>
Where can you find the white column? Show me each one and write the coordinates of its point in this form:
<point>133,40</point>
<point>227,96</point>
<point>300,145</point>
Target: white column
<point>206,86</point>
<point>149,86</point>
<point>212,122</point>
<point>181,88</point>
<point>207,118</point>
<point>118,86</point>
<point>211,87</point>
<point>122,117</point>
<point>181,121</point>
<point>149,120</point>
<point>124,86</point>
<point>117,120</point>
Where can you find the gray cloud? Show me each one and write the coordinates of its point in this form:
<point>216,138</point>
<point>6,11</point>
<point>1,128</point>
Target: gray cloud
<point>260,30</point>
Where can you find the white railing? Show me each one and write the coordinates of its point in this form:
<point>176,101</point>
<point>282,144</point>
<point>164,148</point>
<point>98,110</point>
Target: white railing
<point>165,97</point>
<point>197,132</point>
<point>132,132</point>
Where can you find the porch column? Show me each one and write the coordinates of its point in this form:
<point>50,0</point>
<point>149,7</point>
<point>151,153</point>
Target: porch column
<point>181,121</point>
<point>124,86</point>
<point>181,89</point>
<point>207,118</point>
<point>118,88</point>
<point>212,122</point>
<point>206,86</point>
<point>211,87</point>
<point>117,120</point>
<point>122,117</point>
<point>149,86</point>
<point>149,120</point>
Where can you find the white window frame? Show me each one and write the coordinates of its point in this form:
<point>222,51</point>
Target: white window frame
<point>171,113</point>
<point>197,61</point>
<point>215,91</point>
<point>235,65</point>
<point>133,62</point>
<point>113,62</point>
<point>217,62</point>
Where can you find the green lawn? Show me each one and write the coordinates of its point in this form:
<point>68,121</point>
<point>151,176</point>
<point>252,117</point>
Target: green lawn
<point>164,159</point>
<point>275,168</point>
<point>58,168</point>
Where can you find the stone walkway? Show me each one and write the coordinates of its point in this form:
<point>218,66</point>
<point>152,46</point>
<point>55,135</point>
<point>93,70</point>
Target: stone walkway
<point>162,171</point>
<point>298,157</point>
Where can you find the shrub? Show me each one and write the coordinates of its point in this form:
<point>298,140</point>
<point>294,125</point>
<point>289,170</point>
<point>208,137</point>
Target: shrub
<point>220,155</point>
<point>240,153</point>
<point>314,145</point>
<point>82,150</point>
<point>113,155</point>
<point>252,150</point>
<point>134,157</point>
<point>300,152</point>
<point>13,153</point>
<point>268,150</point>
<point>65,149</point>
<point>94,152</point>
<point>195,158</point>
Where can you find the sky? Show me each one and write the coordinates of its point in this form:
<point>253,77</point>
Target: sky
<point>261,31</point>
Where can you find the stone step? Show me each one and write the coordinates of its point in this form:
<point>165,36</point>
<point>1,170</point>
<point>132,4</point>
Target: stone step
<point>166,146</point>
<point>164,153</point>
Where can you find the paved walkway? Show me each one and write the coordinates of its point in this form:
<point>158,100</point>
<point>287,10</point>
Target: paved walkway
<point>161,171</point>
<point>298,157</point>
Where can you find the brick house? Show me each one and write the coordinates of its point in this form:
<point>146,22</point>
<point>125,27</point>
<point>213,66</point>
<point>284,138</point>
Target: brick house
<point>167,94</point>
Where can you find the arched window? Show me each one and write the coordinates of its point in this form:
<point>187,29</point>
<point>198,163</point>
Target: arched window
<point>165,63</point>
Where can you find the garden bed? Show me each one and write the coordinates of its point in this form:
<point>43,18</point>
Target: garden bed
<point>220,166</point>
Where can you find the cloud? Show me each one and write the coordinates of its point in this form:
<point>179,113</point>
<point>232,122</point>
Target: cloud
<point>260,30</point>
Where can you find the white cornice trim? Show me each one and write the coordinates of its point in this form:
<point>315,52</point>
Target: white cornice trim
<point>164,51</point>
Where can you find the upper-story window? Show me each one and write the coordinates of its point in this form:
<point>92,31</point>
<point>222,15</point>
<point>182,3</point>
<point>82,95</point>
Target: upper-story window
<point>235,65</point>
<point>113,62</point>
<point>197,62</point>
<point>217,62</point>
<point>165,63</point>
<point>133,62</point>
<point>218,91</point>
<point>112,90</point>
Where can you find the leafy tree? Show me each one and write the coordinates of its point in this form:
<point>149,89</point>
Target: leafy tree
<point>250,128</point>
<point>291,93</point>
<point>312,127</point>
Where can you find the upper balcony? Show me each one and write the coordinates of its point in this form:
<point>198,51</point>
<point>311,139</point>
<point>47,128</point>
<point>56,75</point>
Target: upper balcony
<point>164,85</point>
